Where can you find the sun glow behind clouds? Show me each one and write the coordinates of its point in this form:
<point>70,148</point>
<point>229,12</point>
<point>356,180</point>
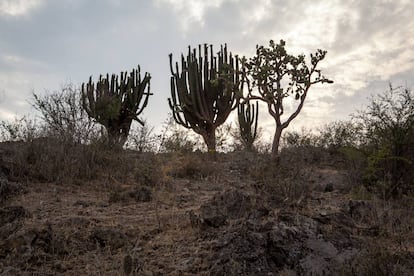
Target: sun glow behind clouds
<point>18,7</point>
<point>190,12</point>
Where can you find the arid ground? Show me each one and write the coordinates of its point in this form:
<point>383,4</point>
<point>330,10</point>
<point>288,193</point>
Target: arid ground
<point>191,214</point>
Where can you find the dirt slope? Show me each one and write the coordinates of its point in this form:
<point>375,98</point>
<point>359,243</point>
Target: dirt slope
<point>229,216</point>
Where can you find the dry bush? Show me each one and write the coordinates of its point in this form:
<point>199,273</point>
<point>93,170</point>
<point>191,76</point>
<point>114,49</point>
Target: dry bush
<point>175,138</point>
<point>50,160</point>
<point>193,166</point>
<point>283,181</point>
<point>20,129</point>
<point>64,146</point>
<point>148,170</point>
<point>302,146</point>
<point>63,116</point>
<point>142,138</point>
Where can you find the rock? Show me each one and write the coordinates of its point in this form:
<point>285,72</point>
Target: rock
<point>231,204</point>
<point>83,203</point>
<point>49,242</point>
<point>78,222</point>
<point>185,265</point>
<point>272,246</point>
<point>12,213</point>
<point>212,215</point>
<point>131,265</point>
<point>10,271</point>
<point>111,238</point>
<point>33,246</point>
<point>329,188</point>
<point>360,209</point>
<point>60,267</point>
<point>141,194</point>
<point>9,189</point>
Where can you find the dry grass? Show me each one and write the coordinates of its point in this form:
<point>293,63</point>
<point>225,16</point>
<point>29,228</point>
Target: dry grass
<point>97,226</point>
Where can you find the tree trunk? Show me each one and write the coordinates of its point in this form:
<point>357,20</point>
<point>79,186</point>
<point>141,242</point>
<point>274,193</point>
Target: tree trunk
<point>210,140</point>
<point>276,142</point>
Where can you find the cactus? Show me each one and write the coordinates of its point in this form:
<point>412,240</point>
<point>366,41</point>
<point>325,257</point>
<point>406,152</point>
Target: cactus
<point>248,115</point>
<point>115,102</point>
<point>205,92</point>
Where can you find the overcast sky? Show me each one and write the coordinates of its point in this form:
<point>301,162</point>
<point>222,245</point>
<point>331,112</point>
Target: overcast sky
<point>47,43</point>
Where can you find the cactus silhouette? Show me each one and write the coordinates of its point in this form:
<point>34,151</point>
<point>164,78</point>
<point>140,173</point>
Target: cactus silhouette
<point>248,115</point>
<point>205,91</point>
<point>116,101</point>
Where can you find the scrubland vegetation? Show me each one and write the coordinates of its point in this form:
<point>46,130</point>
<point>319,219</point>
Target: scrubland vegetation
<point>84,192</point>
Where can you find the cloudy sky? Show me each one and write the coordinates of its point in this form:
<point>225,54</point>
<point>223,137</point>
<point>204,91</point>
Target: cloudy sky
<point>45,44</point>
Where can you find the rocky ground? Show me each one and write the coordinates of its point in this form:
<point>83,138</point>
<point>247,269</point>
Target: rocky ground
<point>189,215</point>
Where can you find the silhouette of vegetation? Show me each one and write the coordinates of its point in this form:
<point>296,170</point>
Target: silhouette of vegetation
<point>273,75</point>
<point>53,183</point>
<point>248,115</point>
<point>388,130</point>
<point>115,102</point>
<point>63,115</point>
<point>205,91</point>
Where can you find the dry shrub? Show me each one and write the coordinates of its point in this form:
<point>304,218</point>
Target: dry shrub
<point>281,180</point>
<point>148,170</point>
<point>193,166</point>
<point>51,160</point>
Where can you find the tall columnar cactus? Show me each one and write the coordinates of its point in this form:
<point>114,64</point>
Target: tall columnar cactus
<point>114,102</point>
<point>205,91</point>
<point>248,115</point>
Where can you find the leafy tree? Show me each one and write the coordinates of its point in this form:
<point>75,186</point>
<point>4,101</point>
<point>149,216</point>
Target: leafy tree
<point>273,75</point>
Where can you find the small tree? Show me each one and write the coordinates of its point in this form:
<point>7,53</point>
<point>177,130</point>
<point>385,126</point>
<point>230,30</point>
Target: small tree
<point>205,91</point>
<point>115,103</point>
<point>273,75</point>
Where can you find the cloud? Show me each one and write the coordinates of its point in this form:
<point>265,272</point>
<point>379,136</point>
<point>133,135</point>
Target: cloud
<point>376,42</point>
<point>18,7</point>
<point>45,43</point>
<point>190,13</point>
